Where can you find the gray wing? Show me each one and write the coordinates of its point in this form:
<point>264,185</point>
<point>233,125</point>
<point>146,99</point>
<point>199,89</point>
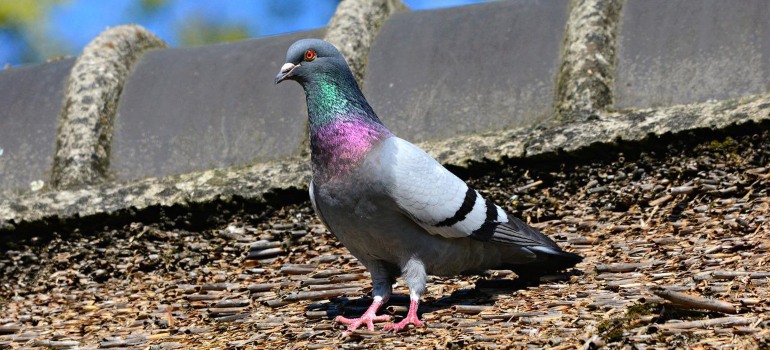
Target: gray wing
<point>443,204</point>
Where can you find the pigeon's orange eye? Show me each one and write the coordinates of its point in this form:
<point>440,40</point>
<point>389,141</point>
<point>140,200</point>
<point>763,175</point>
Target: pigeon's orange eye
<point>309,55</point>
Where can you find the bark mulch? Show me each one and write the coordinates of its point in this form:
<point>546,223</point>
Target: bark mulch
<point>675,241</point>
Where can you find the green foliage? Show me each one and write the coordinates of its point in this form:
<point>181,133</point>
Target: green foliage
<point>152,5</point>
<point>148,8</point>
<point>200,31</point>
<point>27,21</point>
<point>18,13</point>
<point>28,24</point>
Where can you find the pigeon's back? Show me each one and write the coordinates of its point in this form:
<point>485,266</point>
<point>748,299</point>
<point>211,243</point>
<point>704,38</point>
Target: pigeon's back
<point>402,203</point>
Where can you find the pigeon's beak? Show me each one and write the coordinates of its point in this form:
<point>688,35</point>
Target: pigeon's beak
<point>285,72</point>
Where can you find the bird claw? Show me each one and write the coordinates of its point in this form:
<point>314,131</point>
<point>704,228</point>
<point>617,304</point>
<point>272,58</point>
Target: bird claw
<point>397,327</point>
<point>367,318</point>
<point>411,318</point>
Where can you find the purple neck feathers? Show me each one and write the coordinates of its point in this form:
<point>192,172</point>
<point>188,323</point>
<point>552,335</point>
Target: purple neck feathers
<point>341,144</point>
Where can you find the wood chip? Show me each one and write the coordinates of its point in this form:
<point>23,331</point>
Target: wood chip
<point>694,302</point>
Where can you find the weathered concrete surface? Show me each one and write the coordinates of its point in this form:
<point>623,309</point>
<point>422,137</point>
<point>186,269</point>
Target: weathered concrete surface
<point>604,128</point>
<point>355,25</point>
<point>254,182</point>
<point>84,135</point>
<point>676,51</point>
<point>609,128</point>
<point>436,74</point>
<point>31,99</point>
<point>193,109</point>
<point>588,62</point>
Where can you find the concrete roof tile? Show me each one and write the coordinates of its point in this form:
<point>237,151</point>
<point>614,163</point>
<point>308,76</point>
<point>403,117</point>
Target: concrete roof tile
<point>192,109</point>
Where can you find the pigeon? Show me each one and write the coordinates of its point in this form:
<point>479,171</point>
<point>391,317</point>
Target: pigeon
<point>398,210</point>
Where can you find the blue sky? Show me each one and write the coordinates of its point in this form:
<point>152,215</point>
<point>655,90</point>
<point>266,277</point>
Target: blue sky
<point>69,26</point>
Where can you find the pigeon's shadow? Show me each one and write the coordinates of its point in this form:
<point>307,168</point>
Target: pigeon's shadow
<point>485,292</point>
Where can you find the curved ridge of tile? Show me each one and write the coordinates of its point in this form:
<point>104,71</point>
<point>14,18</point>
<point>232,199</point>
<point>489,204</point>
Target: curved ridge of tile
<point>84,134</point>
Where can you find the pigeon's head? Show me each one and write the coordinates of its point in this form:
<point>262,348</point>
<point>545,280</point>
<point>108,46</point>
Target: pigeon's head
<point>309,58</point>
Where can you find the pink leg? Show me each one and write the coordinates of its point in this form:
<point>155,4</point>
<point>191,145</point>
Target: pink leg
<point>411,318</point>
<point>368,318</point>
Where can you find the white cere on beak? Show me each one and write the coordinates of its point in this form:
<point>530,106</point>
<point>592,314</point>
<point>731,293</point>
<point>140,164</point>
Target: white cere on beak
<point>287,67</point>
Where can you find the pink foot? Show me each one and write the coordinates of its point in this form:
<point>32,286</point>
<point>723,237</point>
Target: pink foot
<point>411,318</point>
<point>368,318</point>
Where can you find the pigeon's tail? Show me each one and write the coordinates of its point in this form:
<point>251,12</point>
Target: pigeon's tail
<point>557,258</point>
<point>549,257</point>
<point>549,260</point>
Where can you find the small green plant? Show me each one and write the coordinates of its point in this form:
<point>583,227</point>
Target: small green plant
<point>729,144</point>
<point>611,330</point>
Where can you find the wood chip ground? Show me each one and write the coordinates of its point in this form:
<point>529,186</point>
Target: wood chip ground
<point>675,241</point>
